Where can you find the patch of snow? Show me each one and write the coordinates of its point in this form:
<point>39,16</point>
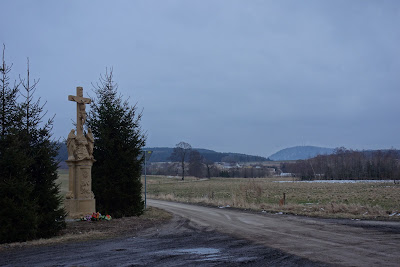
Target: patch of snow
<point>340,181</point>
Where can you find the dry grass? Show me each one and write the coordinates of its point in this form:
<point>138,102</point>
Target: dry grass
<point>63,181</point>
<point>81,231</point>
<point>359,200</point>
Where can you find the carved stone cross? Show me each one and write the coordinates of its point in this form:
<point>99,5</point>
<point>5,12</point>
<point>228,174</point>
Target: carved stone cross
<point>80,109</point>
<point>79,201</point>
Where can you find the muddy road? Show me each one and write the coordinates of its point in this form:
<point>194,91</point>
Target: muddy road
<point>204,236</point>
<point>177,243</point>
<point>339,242</point>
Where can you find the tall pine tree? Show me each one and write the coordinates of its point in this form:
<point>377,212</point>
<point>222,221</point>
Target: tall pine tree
<point>30,203</point>
<point>118,140</point>
<point>18,207</point>
<point>42,150</point>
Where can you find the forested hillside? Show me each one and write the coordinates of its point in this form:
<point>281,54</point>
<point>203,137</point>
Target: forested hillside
<point>300,152</point>
<point>348,164</point>
<point>162,154</point>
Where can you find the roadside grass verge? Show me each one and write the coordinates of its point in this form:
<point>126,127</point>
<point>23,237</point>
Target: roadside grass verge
<point>80,231</point>
<point>379,200</point>
<point>83,231</point>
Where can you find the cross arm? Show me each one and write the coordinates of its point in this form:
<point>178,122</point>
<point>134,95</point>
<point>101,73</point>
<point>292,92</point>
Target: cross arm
<point>79,99</point>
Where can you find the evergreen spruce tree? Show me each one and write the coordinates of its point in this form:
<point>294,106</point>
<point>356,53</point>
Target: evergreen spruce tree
<point>42,170</point>
<point>18,207</point>
<point>29,197</point>
<point>117,150</point>
<point>8,97</point>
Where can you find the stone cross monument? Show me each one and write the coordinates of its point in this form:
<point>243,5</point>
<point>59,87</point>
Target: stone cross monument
<point>79,200</point>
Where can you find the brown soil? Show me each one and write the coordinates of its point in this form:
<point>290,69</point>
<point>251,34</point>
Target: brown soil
<point>118,227</point>
<point>176,243</point>
<point>90,230</point>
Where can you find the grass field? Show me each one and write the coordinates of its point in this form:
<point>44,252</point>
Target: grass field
<point>358,200</point>
<point>63,181</point>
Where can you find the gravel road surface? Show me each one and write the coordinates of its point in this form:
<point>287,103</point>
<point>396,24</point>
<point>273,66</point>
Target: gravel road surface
<point>338,242</point>
<point>176,243</point>
<point>204,236</point>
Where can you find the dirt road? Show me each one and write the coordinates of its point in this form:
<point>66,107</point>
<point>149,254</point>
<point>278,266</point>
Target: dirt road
<point>176,243</point>
<point>203,236</point>
<point>338,242</point>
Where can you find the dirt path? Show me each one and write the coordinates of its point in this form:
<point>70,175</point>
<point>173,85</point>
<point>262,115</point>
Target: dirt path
<point>176,243</point>
<point>341,242</point>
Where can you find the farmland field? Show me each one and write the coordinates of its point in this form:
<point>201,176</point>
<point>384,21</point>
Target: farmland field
<point>63,181</point>
<point>377,200</point>
<point>364,200</point>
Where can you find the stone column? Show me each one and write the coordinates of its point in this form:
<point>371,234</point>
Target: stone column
<point>80,198</point>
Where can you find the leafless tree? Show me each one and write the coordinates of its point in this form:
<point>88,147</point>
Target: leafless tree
<point>209,165</point>
<point>181,154</point>
<point>196,165</point>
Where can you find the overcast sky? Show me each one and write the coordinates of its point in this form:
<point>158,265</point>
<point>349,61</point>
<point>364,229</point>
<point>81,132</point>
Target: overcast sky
<point>233,76</point>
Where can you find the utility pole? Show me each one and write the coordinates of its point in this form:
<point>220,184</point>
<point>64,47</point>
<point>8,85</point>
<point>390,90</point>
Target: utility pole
<point>146,152</point>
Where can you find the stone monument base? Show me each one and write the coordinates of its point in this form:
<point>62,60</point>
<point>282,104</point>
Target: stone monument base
<point>78,208</point>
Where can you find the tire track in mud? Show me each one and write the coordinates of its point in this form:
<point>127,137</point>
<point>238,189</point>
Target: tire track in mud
<point>177,243</point>
<point>339,242</point>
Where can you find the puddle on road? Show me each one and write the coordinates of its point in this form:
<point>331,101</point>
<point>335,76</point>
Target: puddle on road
<point>205,253</point>
<point>199,251</point>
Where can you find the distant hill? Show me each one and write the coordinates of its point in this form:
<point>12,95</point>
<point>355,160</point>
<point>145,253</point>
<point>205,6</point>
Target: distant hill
<point>62,156</point>
<point>301,152</point>
<point>162,154</point>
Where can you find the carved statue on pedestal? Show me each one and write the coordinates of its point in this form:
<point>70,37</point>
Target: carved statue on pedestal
<point>71,145</point>
<point>90,143</point>
<point>80,198</point>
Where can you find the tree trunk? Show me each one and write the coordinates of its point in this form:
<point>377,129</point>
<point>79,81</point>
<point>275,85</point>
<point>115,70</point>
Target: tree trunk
<point>183,170</point>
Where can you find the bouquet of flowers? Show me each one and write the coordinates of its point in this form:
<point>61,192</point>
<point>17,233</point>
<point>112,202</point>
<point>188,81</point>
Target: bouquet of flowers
<point>96,216</point>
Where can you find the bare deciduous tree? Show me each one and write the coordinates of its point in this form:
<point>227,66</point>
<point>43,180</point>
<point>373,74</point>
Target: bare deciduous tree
<point>196,165</point>
<point>181,154</point>
<point>209,165</point>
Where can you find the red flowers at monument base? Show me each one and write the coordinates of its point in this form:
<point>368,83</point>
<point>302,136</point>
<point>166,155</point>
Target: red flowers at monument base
<point>96,216</point>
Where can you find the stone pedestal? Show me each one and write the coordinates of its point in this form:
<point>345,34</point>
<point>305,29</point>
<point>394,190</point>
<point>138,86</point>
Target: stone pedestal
<point>80,198</point>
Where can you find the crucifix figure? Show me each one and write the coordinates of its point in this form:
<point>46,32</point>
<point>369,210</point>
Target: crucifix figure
<point>80,109</point>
